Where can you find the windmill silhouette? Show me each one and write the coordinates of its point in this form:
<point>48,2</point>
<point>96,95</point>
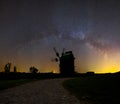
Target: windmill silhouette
<point>66,62</point>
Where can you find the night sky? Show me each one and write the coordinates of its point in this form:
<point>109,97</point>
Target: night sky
<point>29,29</point>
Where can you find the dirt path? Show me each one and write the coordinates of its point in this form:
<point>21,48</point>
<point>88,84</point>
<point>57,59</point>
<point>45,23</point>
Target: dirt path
<point>40,92</point>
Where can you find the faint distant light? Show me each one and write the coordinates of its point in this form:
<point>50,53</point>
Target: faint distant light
<point>54,71</point>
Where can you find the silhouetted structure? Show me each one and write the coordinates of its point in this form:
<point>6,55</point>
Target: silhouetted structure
<point>15,69</point>
<point>7,67</point>
<point>66,62</point>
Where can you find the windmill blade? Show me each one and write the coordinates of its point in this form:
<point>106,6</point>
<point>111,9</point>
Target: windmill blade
<point>55,60</point>
<point>54,49</point>
<point>57,54</point>
<point>63,51</point>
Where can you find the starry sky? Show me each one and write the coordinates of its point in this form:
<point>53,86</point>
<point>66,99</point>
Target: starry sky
<point>29,29</point>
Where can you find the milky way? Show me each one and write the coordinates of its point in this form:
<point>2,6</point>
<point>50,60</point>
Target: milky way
<point>29,29</point>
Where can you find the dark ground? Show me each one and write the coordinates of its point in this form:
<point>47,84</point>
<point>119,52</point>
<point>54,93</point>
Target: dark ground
<point>49,91</point>
<point>96,89</point>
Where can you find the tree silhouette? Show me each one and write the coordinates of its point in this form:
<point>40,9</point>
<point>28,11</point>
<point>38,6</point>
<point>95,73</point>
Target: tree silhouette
<point>33,69</point>
<point>7,67</point>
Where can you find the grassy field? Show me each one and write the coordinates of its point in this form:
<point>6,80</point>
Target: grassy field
<point>98,89</point>
<point>4,84</point>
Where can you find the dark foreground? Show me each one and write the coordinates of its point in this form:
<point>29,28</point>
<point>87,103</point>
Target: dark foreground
<point>89,88</point>
<point>49,91</point>
<point>96,89</point>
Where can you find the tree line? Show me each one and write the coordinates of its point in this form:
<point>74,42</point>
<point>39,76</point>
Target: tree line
<point>7,68</point>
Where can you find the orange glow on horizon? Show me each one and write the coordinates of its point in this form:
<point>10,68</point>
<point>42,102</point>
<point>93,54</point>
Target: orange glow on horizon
<point>109,64</point>
<point>97,62</point>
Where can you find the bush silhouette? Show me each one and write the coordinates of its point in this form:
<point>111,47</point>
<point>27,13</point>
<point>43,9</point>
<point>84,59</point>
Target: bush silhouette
<point>33,69</point>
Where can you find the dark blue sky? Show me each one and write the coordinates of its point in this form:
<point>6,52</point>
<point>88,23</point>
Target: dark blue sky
<point>29,29</point>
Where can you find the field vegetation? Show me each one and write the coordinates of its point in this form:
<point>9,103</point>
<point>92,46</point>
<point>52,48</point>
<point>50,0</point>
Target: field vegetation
<point>96,89</point>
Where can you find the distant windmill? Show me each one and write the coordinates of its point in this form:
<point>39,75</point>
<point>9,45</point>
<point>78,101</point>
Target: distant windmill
<point>66,62</point>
